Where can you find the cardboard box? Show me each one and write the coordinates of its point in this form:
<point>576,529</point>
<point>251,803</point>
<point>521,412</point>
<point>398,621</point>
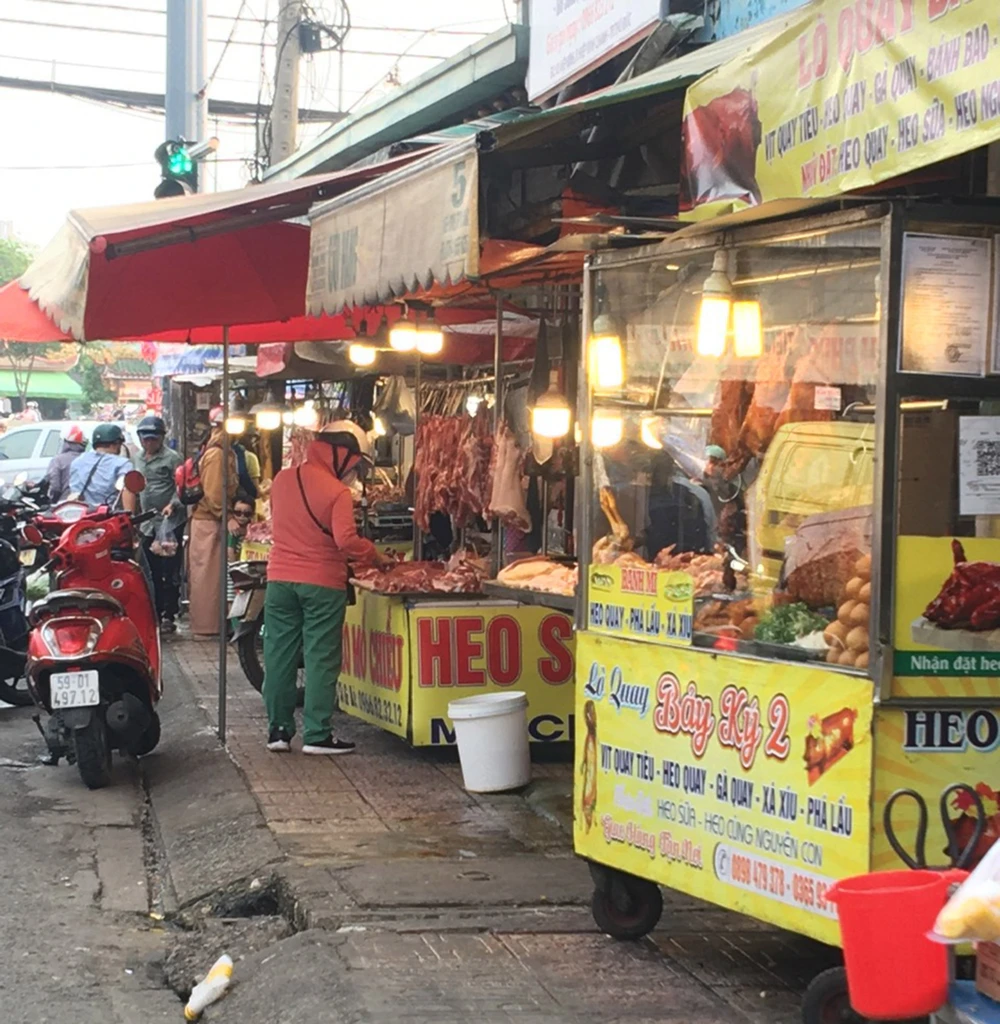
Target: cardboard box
<point>988,969</point>
<point>928,473</point>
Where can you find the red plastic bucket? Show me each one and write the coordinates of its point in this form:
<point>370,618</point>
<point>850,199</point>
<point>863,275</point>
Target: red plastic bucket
<point>893,970</point>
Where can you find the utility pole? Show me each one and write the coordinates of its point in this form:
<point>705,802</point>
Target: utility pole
<point>285,108</point>
<point>186,106</point>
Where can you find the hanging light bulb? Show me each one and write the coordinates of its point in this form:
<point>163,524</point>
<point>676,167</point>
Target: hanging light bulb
<point>716,304</point>
<point>288,418</point>
<point>647,431</point>
<point>361,355</point>
<point>604,355</point>
<point>551,414</point>
<point>267,414</point>
<point>403,336</point>
<point>306,415</point>
<point>378,426</point>
<point>606,430</point>
<point>748,330</point>
<point>236,424</point>
<point>430,341</point>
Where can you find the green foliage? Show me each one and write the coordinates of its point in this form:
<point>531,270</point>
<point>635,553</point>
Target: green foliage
<point>95,391</point>
<point>14,259</point>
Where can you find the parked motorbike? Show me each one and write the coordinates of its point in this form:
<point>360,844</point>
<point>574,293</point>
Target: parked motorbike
<point>249,580</point>
<point>18,504</point>
<point>94,648</point>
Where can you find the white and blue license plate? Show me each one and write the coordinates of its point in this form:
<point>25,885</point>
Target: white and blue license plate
<point>74,690</point>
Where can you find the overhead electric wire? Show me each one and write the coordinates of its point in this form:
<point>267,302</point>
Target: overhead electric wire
<point>160,35</point>
<point>94,4</point>
<point>225,47</point>
<point>107,67</point>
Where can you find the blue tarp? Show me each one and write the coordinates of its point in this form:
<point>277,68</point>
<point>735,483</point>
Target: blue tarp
<point>194,360</point>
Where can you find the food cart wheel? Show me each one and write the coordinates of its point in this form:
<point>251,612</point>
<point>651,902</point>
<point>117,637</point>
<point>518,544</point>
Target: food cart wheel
<point>626,907</point>
<point>826,1002</point>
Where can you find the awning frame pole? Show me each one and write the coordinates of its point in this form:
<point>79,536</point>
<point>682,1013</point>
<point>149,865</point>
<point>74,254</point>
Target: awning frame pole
<point>498,398</point>
<point>224,527</point>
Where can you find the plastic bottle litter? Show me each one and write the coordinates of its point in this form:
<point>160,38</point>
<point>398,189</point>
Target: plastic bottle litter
<point>212,988</point>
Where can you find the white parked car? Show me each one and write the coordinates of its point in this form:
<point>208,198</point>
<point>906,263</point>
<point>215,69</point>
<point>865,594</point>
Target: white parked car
<point>29,447</point>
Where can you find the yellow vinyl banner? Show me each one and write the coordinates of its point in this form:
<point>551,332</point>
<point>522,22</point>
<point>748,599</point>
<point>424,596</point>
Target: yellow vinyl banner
<point>470,649</point>
<point>641,603</point>
<point>849,94</point>
<point>746,783</point>
<point>374,677</point>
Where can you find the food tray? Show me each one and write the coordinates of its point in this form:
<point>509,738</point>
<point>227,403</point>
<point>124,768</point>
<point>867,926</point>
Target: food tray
<point>564,602</point>
<point>923,631</point>
<point>417,595</point>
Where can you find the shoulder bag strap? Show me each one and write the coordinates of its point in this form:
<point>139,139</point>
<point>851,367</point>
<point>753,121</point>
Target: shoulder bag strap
<point>305,501</point>
<point>90,477</point>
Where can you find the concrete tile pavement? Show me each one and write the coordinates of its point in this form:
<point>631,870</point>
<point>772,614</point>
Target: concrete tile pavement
<point>440,905</point>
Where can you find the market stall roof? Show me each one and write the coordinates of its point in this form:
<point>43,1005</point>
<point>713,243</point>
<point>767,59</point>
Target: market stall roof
<point>41,384</point>
<point>129,271</point>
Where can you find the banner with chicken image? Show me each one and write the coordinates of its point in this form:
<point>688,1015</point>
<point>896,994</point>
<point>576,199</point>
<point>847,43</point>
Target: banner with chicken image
<point>745,783</point>
<point>947,617</point>
<point>846,94</point>
<point>928,749</point>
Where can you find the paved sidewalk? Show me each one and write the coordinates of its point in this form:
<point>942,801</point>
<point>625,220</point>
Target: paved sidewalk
<point>421,902</point>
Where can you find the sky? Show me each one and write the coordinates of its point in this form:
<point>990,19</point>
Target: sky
<point>64,153</point>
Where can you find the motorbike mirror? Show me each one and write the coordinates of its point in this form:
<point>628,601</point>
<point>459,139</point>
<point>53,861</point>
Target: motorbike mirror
<point>21,479</point>
<point>134,481</point>
<point>32,535</point>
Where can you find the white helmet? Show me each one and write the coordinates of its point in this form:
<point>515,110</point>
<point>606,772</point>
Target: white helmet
<point>347,439</point>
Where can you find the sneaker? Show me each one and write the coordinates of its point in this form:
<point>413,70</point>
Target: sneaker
<point>168,626</point>
<point>328,746</point>
<point>279,741</point>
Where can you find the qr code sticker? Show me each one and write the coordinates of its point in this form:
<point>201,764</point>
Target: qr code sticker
<point>987,458</point>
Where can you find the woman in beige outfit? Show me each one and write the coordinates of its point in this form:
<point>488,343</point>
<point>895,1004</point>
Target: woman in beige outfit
<point>205,546</point>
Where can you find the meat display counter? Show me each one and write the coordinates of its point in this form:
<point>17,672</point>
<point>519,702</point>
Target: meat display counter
<point>790,546</point>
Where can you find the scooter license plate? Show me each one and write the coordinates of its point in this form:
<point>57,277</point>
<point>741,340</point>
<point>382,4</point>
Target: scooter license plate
<point>74,690</point>
<point>27,556</point>
<point>240,604</point>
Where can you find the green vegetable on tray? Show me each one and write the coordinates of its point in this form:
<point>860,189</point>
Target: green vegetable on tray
<point>786,624</point>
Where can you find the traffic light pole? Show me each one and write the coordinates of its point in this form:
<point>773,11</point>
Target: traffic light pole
<point>186,103</point>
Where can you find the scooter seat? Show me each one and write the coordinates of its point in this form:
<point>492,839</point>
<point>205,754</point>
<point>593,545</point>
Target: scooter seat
<point>86,600</point>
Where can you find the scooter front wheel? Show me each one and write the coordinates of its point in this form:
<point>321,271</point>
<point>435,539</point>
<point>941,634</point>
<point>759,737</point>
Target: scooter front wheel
<point>93,752</point>
<point>15,691</point>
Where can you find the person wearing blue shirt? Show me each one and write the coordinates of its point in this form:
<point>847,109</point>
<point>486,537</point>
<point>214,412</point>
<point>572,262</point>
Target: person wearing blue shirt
<point>94,475</point>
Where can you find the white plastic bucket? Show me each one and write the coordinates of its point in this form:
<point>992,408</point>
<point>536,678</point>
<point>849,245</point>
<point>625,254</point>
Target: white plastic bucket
<point>491,731</point>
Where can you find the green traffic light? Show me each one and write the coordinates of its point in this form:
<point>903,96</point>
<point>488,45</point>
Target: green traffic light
<point>180,162</point>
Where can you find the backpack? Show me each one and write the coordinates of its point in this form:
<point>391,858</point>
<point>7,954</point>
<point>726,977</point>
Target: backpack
<point>187,476</point>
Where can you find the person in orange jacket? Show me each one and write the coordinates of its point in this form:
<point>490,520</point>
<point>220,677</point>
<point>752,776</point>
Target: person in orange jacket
<point>314,541</point>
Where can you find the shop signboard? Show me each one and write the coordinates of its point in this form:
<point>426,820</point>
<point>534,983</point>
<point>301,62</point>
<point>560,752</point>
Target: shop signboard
<point>476,648</point>
<point>929,748</point>
<point>369,246</point>
<point>640,603</point>
<point>374,678</point>
<point>745,783</point>
<point>571,37</point>
<point>880,89</point>
<point>947,617</point>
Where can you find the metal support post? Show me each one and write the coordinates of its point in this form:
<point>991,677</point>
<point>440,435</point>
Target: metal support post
<point>498,399</point>
<point>186,102</point>
<point>223,529</point>
<point>418,534</point>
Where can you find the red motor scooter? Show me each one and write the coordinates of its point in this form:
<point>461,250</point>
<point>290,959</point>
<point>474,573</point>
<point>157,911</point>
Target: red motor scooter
<point>94,648</point>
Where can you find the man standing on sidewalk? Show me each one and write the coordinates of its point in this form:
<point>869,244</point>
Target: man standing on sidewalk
<point>158,464</point>
<point>314,540</point>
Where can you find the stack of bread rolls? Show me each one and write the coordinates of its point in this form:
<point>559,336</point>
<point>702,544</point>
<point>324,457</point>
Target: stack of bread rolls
<point>848,634</point>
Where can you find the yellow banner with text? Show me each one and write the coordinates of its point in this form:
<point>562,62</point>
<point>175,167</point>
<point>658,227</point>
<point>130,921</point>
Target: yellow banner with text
<point>640,603</point>
<point>850,93</point>
<point>470,649</point>
<point>745,783</point>
<point>374,677</point>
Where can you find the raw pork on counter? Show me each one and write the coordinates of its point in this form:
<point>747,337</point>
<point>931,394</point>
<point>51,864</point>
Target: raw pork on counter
<point>541,574</point>
<point>462,577</point>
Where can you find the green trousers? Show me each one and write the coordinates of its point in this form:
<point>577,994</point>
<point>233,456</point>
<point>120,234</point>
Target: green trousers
<point>307,621</point>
